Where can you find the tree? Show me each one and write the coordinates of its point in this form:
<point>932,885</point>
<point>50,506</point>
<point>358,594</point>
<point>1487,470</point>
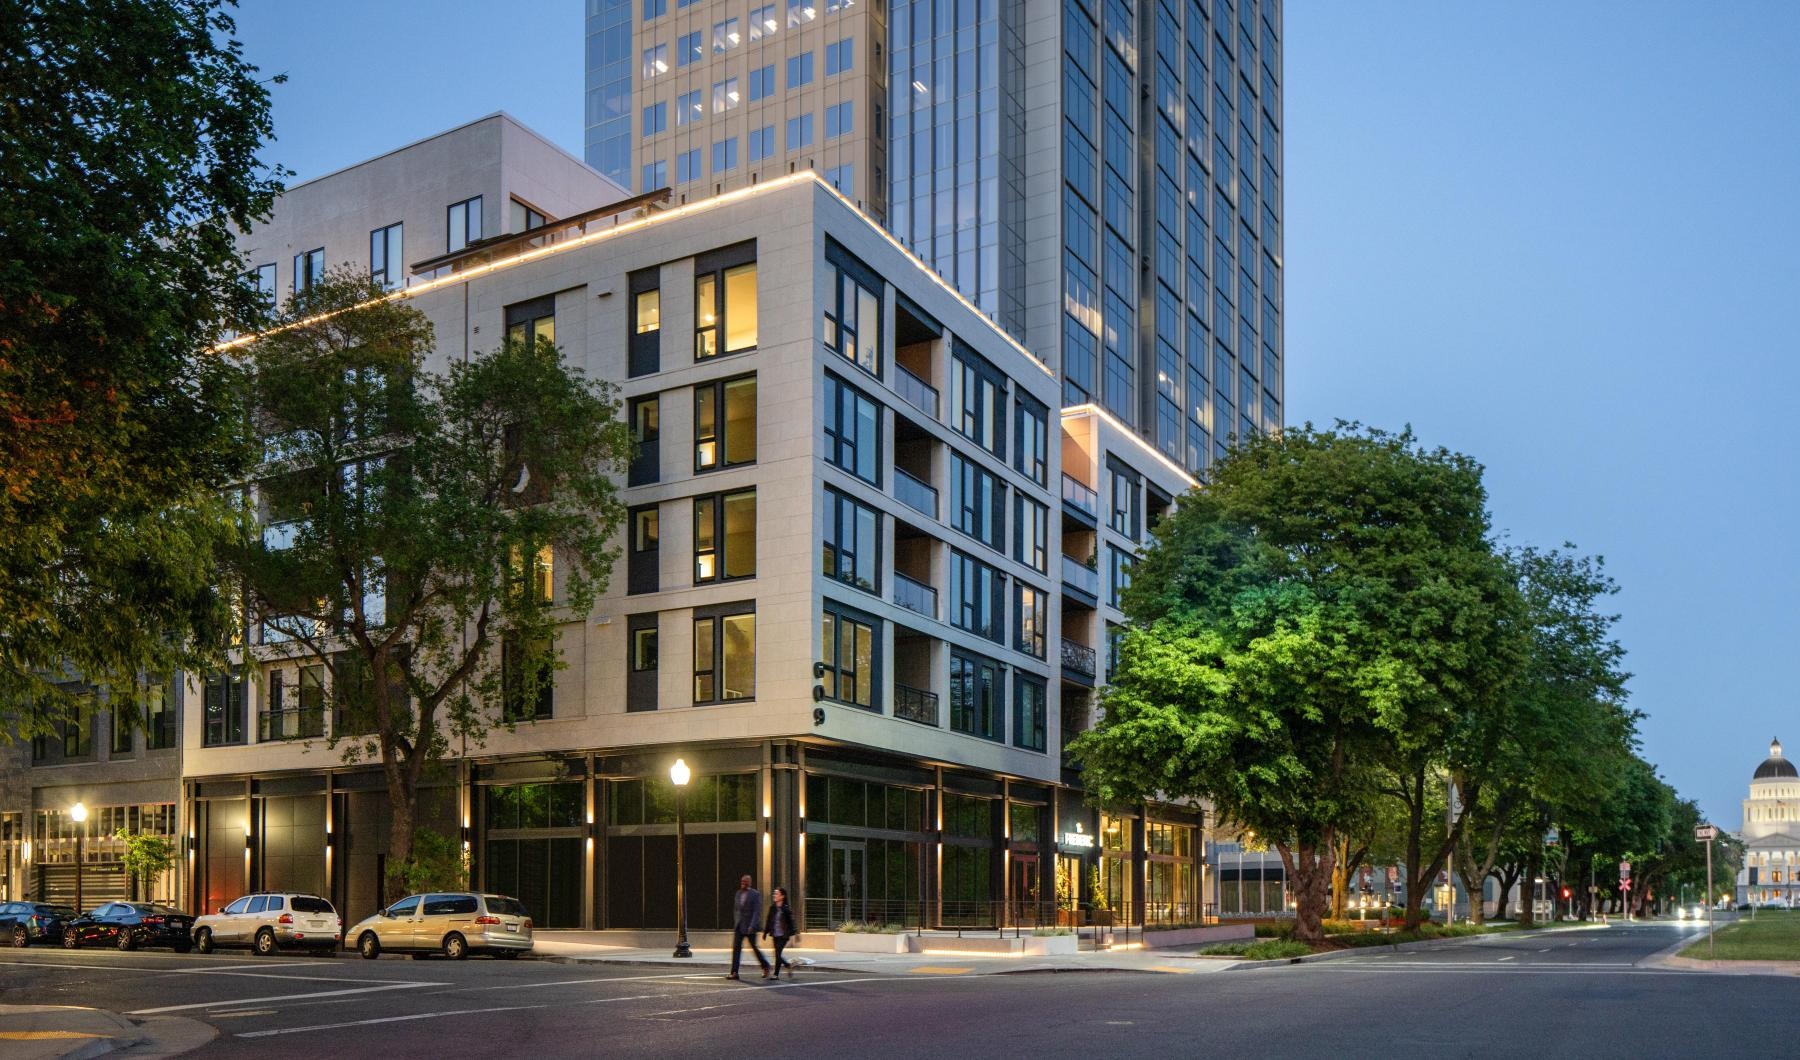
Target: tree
<point>145,858</point>
<point>1291,625</point>
<point>131,131</point>
<point>425,534</point>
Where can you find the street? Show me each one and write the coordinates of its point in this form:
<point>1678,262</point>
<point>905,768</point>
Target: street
<point>1567,992</point>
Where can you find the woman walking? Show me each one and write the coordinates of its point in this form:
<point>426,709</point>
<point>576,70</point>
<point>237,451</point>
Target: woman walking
<point>780,927</point>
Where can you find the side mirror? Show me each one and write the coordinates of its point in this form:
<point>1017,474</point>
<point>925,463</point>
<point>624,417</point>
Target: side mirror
<point>388,914</point>
<point>221,910</point>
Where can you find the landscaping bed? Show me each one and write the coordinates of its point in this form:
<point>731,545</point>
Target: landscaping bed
<point>1772,936</point>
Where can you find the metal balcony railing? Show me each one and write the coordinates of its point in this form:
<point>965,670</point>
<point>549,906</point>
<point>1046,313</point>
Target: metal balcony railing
<point>915,494</point>
<point>916,392</point>
<point>915,595</point>
<point>1078,575</point>
<point>915,704</point>
<point>1078,658</point>
<point>1077,495</point>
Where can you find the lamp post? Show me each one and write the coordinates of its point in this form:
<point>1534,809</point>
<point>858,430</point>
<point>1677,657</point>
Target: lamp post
<point>78,814</point>
<point>679,775</point>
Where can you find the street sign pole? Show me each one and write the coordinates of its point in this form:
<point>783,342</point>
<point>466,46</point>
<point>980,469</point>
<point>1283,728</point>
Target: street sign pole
<point>1709,903</point>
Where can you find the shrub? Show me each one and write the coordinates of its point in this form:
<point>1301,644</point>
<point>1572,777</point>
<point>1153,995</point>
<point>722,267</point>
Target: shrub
<point>870,927</point>
<point>1280,929</point>
<point>1043,932</point>
<point>1267,950</point>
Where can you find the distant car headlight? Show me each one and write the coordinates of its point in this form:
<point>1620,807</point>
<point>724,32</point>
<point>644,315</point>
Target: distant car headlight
<point>1681,914</point>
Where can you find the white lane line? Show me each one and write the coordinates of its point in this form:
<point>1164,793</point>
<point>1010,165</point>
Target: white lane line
<point>581,982</point>
<point>227,970</point>
<point>239,1001</point>
<point>386,1019</point>
<point>1513,957</point>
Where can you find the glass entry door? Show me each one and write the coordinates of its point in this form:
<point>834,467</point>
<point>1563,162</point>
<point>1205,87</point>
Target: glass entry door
<point>847,885</point>
<point>1024,889</point>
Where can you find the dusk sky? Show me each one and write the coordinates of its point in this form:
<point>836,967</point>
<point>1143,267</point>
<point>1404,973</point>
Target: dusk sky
<point>1560,238</point>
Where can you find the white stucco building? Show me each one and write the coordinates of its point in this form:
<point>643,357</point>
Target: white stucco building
<point>1771,832</point>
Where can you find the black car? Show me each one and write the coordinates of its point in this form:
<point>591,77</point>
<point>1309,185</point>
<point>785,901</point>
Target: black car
<point>23,923</point>
<point>129,925</point>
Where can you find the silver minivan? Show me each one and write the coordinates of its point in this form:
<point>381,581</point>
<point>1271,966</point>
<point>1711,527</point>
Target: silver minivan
<point>270,922</point>
<point>454,924</point>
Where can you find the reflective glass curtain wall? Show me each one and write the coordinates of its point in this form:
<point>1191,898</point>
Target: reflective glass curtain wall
<point>955,145</point>
<point>608,124</point>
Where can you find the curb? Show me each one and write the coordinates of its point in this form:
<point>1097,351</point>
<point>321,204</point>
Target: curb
<point>1419,944</point>
<point>1667,959</point>
<point>158,1036</point>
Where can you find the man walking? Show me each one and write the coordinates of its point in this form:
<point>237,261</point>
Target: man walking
<point>746,909</point>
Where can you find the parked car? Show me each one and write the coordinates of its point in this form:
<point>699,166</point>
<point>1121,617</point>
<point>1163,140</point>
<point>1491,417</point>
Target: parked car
<point>268,922</point>
<point>26,922</point>
<point>453,924</point>
<point>129,925</point>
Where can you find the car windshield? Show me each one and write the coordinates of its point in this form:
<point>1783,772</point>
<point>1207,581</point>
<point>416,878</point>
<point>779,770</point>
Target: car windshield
<point>508,906</point>
<point>302,903</point>
<point>158,910</point>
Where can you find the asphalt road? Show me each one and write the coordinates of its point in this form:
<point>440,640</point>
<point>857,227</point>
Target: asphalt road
<point>1565,993</point>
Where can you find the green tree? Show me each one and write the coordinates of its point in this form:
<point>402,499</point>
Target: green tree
<point>145,858</point>
<point>416,523</point>
<point>131,131</point>
<point>1328,598</point>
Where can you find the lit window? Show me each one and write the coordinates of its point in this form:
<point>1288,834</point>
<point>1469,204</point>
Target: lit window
<point>724,658</point>
<point>726,36</point>
<point>725,536</point>
<point>656,60</point>
<point>800,12</point>
<point>847,651</point>
<point>725,311</point>
<point>762,22</point>
<point>728,439</point>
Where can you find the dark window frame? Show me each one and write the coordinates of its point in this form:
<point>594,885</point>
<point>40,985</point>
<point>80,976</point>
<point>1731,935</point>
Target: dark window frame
<point>641,677</point>
<point>1025,729</point>
<point>451,243</point>
<point>646,435</point>
<point>1033,643</point>
<point>511,693</point>
<point>643,560</point>
<point>971,609</point>
<point>719,391</point>
<point>391,272</point>
<point>979,420</point>
<point>985,523</point>
<point>965,712</point>
<point>841,512</point>
<point>844,445</point>
<point>644,342</point>
<point>716,268</point>
<point>834,619</point>
<point>715,619</point>
<point>720,554</point>
<point>1031,420</point>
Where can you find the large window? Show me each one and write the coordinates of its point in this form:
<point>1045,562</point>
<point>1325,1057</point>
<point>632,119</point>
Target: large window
<point>1031,440</point>
<point>725,536</point>
<point>656,61</point>
<point>726,36</point>
<point>527,679</point>
<point>1031,617</point>
<point>463,222</point>
<point>977,596</point>
<point>978,400</point>
<point>645,357</point>
<point>533,320</point>
<point>643,560</point>
<point>1031,533</point>
<point>646,435</point>
<point>799,70</point>
<point>725,424</point>
<point>387,262</point>
<point>687,48</point>
<point>159,718</point>
<point>309,269</point>
<point>976,696</point>
<point>852,430</point>
<point>1121,563</point>
<point>852,547</point>
<point>762,22</point>
<point>78,730</point>
<point>642,661</point>
<point>847,645</point>
<point>726,96</point>
<point>1122,494</point>
<point>1029,712</point>
<point>725,310</point>
<point>224,706</point>
<point>977,503</point>
<point>121,729</point>
<point>853,312</point>
<point>800,12</point>
<point>724,657</point>
<point>840,56</point>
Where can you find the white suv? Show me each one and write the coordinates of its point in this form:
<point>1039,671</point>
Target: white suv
<point>271,922</point>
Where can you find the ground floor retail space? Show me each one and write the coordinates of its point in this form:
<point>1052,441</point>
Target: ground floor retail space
<point>592,840</point>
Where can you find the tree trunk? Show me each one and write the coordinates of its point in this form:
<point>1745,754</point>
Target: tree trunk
<point>1504,898</point>
<point>402,777</point>
<point>1417,878</point>
<point>1309,866</point>
<point>1340,879</point>
<point>1467,870</point>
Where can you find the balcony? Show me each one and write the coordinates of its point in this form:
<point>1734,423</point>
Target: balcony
<point>1078,496</point>
<point>916,392</point>
<point>301,723</point>
<point>1078,660</point>
<point>915,494</point>
<point>915,595</point>
<point>916,704</point>
<point>1080,577</point>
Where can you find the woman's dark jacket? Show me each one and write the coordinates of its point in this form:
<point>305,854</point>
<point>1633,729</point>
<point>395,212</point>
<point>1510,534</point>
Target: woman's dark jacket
<point>780,923</point>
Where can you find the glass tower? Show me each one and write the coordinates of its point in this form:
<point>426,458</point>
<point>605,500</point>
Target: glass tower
<point>1102,177</point>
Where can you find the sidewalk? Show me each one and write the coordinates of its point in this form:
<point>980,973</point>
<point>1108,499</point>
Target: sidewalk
<point>571,947</point>
<point>31,1032</point>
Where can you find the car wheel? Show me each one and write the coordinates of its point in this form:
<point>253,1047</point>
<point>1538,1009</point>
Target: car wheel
<point>70,939</point>
<point>369,946</point>
<point>203,939</point>
<point>456,947</point>
<point>265,943</point>
<point>507,955</point>
<point>21,938</point>
<point>127,941</point>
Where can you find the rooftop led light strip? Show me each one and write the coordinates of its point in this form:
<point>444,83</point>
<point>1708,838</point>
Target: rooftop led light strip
<point>1091,409</point>
<point>656,218</point>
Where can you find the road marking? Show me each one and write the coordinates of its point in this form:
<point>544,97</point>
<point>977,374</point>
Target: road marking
<point>46,1036</point>
<point>227,970</point>
<point>385,1019</point>
<point>1514,957</point>
<point>230,1002</point>
<point>582,982</point>
<point>1171,970</point>
<point>938,969</point>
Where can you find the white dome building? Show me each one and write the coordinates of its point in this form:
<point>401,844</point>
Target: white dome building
<point>1771,833</point>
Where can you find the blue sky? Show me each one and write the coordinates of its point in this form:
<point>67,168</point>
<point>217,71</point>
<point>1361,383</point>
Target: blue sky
<point>1559,237</point>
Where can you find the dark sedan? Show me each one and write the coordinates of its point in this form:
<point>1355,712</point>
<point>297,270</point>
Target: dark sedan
<point>23,923</point>
<point>129,925</point>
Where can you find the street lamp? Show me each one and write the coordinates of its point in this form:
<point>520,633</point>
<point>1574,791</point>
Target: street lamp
<point>78,814</point>
<point>679,775</point>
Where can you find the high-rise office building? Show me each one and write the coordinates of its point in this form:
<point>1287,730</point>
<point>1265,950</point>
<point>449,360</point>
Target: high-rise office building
<point>1100,177</point>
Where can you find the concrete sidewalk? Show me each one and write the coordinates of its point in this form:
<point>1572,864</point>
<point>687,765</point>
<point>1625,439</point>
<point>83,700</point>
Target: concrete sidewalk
<point>39,1032</point>
<point>572,947</point>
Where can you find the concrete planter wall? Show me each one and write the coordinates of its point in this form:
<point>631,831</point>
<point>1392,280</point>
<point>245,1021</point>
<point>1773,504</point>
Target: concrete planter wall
<point>847,942</point>
<point>1045,945</point>
<point>1191,936</point>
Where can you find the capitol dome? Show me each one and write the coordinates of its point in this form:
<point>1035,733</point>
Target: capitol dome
<point>1775,767</point>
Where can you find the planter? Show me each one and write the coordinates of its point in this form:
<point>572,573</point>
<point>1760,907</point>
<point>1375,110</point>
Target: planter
<point>1195,935</point>
<point>848,942</point>
<point>1052,944</point>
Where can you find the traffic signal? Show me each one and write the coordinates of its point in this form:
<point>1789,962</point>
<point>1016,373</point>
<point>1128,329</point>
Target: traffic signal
<point>1565,894</point>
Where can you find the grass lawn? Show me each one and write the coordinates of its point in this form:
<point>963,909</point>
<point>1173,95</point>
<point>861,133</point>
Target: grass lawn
<point>1260,950</point>
<point>1773,936</point>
